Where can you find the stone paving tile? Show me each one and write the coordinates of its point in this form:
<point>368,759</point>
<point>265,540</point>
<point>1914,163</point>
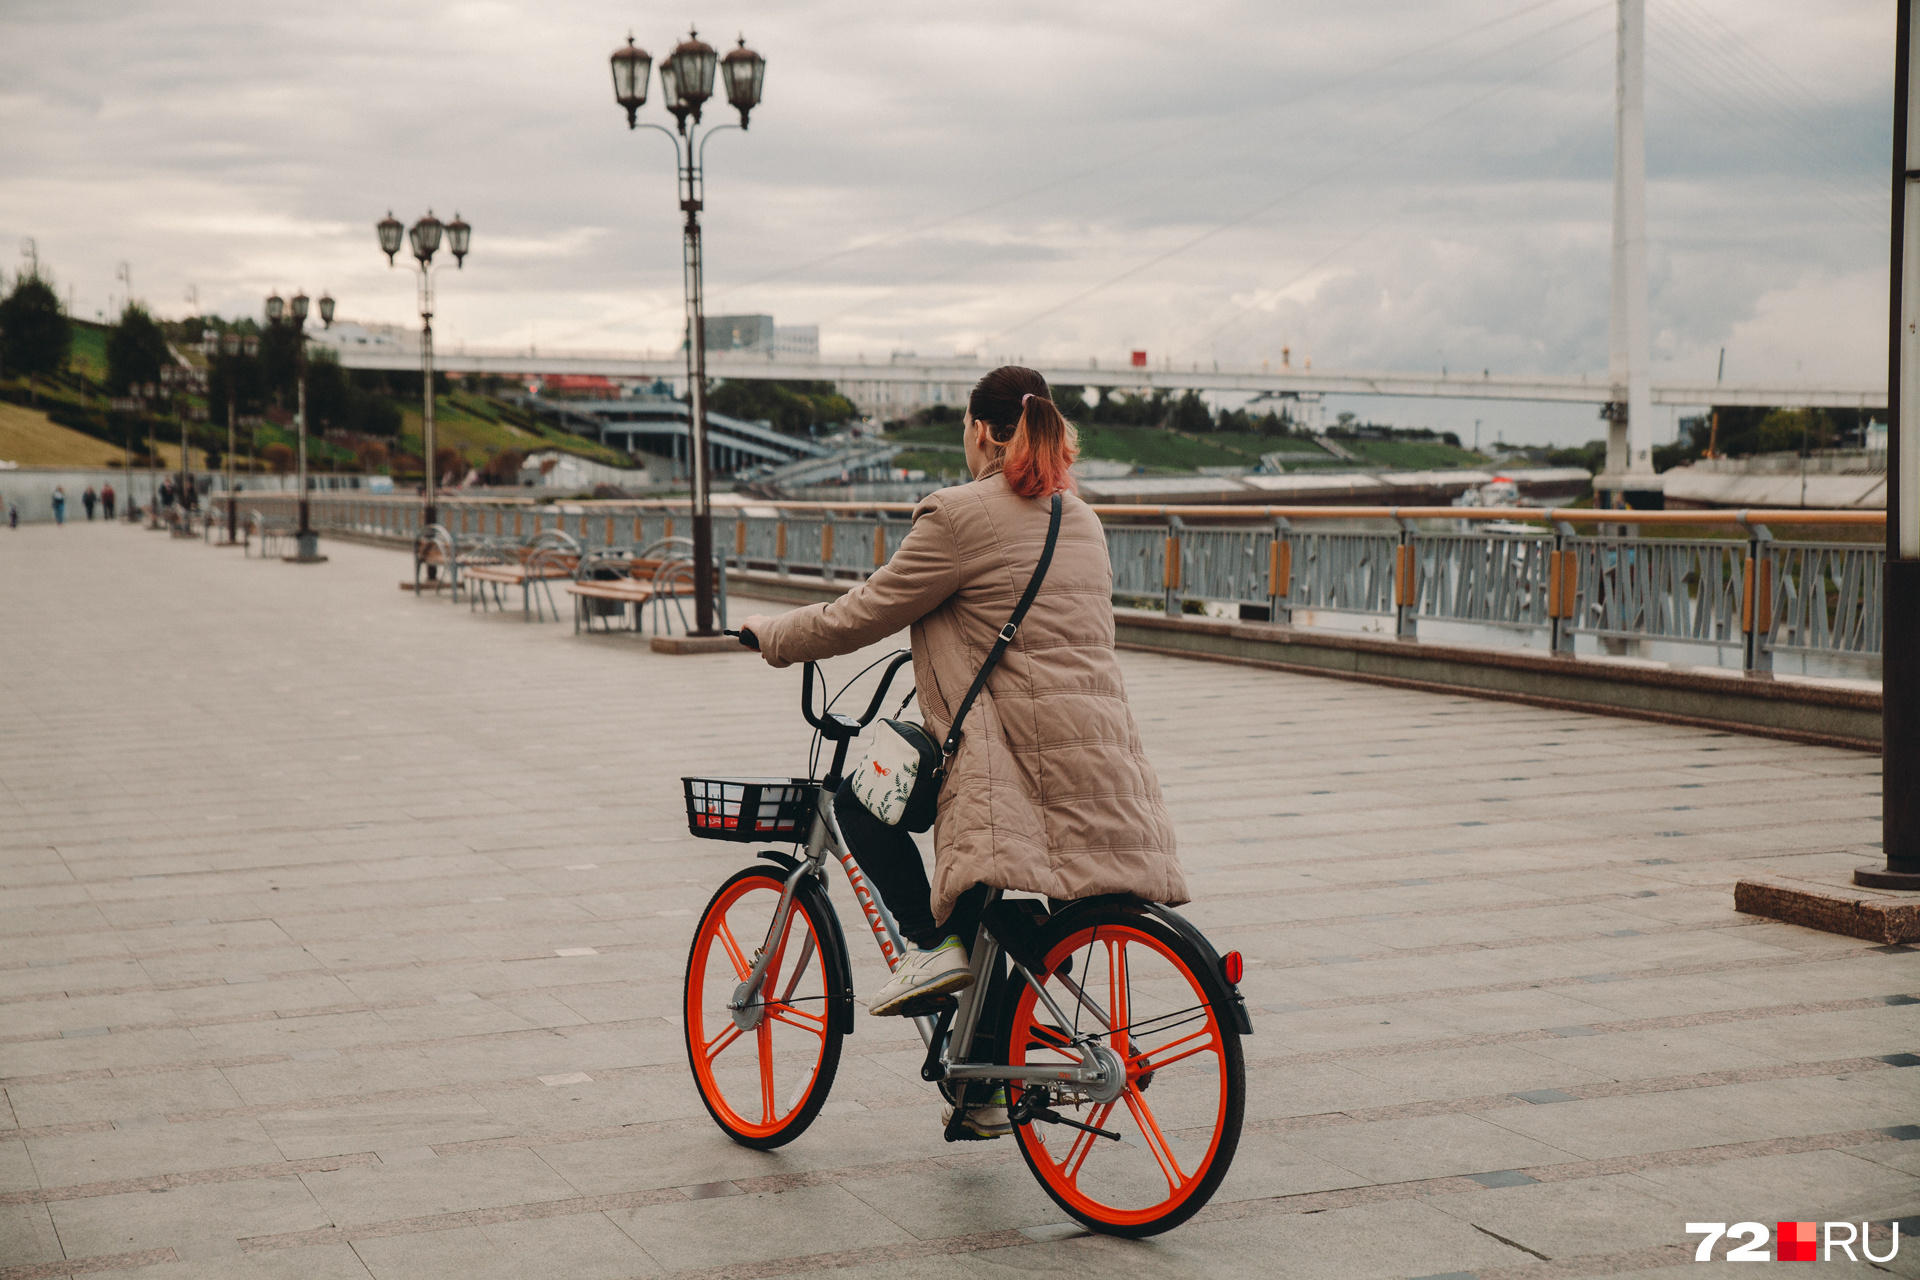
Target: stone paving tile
<point>319,924</point>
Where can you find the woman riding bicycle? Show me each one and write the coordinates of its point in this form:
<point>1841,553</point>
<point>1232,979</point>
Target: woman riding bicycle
<point>1051,791</point>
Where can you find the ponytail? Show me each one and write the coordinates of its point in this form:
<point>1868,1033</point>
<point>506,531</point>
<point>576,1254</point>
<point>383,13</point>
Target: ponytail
<point>1041,444</point>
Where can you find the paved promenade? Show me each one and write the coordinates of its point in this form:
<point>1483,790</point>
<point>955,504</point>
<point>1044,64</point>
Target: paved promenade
<point>341,935</point>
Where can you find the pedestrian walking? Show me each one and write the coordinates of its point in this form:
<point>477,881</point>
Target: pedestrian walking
<point>88,500</point>
<point>59,504</point>
<point>166,493</point>
<point>106,500</point>
<point>13,516</point>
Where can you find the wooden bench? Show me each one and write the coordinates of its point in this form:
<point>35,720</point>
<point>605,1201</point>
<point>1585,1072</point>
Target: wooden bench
<point>552,556</point>
<point>620,579</point>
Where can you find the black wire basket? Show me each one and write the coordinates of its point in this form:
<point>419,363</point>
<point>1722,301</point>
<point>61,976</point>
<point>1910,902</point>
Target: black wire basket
<point>749,809</point>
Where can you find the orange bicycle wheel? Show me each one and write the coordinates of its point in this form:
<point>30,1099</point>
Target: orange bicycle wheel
<point>763,1071</point>
<point>1176,1123</point>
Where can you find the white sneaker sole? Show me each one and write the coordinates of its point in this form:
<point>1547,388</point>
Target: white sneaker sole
<point>948,982</point>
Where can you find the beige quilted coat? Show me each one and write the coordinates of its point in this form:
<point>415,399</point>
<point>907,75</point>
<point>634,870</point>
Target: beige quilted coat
<point>1050,791</point>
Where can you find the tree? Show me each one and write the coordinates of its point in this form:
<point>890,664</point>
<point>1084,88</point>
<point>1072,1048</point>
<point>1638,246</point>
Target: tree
<point>335,400</point>
<point>278,456</point>
<point>1190,414</point>
<point>249,386</point>
<point>504,467</point>
<point>370,456</point>
<point>792,407</point>
<point>136,350</point>
<point>35,338</point>
<point>279,363</point>
<point>1071,401</point>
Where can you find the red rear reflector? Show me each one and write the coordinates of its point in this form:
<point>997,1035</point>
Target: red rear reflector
<point>1232,966</point>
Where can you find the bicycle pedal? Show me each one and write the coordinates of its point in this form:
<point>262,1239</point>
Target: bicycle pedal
<point>927,1006</point>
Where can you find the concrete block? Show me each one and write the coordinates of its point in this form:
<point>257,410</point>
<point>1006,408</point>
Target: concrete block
<point>1885,916</point>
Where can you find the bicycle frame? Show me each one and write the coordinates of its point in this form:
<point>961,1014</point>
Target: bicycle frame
<point>824,838</point>
<point>1101,1073</point>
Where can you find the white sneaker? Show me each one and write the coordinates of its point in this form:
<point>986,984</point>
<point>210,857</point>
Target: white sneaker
<point>987,1120</point>
<point>924,973</point>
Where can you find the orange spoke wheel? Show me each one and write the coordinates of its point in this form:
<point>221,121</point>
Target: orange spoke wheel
<point>1178,1116</point>
<point>765,1069</point>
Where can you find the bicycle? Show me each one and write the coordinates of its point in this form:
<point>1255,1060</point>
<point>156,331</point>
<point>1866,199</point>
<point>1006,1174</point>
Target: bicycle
<point>1154,1009</point>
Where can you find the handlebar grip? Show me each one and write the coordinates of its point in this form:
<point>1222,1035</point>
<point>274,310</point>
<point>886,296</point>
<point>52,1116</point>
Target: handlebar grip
<point>746,638</point>
<point>806,696</point>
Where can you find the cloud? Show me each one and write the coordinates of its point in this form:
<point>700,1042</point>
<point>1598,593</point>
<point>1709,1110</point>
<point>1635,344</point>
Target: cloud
<point>1391,184</point>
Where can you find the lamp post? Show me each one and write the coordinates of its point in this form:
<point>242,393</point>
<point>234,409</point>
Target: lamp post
<point>1900,591</point>
<point>168,376</point>
<point>307,542</point>
<point>143,392</point>
<point>227,348</point>
<point>686,84</point>
<point>424,239</point>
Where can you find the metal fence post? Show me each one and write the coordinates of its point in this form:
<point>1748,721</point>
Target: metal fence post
<point>826,546</point>
<point>1171,575</point>
<point>1563,586</point>
<point>780,546</point>
<point>1405,584</point>
<point>1280,573</point>
<point>1756,611</point>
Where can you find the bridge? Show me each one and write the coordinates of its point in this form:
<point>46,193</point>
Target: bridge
<point>1194,376</point>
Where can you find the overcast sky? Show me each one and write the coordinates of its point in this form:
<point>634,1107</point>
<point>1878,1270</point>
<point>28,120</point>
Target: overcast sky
<point>1381,184</point>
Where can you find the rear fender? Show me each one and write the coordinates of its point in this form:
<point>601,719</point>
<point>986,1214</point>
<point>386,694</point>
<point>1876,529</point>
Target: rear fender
<point>1223,995</point>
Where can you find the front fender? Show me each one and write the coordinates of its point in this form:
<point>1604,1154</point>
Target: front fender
<point>833,943</point>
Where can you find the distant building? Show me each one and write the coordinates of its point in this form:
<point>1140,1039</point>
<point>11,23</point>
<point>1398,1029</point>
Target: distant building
<point>556,469</point>
<point>949,381</point>
<point>345,335</point>
<point>760,336</point>
<point>744,335</point>
<point>797,341</point>
<point>577,386</point>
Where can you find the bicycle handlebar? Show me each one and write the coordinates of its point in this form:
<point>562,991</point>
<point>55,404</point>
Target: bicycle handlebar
<point>831,724</point>
<point>834,726</point>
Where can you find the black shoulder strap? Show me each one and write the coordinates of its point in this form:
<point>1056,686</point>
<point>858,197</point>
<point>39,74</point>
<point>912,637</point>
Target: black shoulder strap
<point>1006,634</point>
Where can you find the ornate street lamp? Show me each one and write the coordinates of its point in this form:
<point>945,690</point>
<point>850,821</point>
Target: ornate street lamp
<point>744,71</point>
<point>424,238</point>
<point>307,546</point>
<point>630,67</point>
<point>691,64</point>
<point>391,229</point>
<point>686,83</point>
<point>227,348</point>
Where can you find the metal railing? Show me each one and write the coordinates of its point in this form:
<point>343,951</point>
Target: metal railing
<point>1748,597</point>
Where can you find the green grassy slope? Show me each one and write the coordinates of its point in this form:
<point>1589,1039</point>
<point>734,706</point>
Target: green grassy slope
<point>480,428</point>
<point>89,354</point>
